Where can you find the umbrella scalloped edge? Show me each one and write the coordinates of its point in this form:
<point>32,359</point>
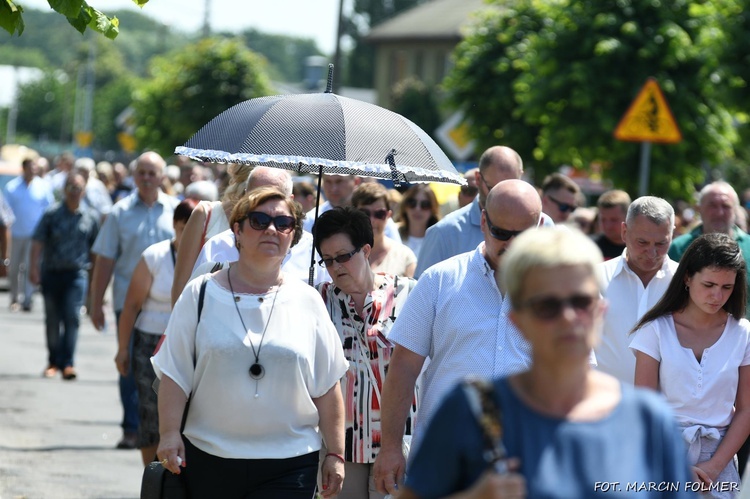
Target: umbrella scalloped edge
<point>303,164</point>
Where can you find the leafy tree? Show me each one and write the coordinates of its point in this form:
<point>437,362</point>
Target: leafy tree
<point>414,100</point>
<point>286,55</point>
<point>45,107</point>
<point>78,13</point>
<point>553,78</point>
<point>189,87</point>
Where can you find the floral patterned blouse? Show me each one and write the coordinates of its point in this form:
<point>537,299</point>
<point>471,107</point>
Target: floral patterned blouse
<point>366,347</point>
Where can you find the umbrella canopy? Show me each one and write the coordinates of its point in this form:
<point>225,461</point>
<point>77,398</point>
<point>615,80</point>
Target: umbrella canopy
<point>322,133</point>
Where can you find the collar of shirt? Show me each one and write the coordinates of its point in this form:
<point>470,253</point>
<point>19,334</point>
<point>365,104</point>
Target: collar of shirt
<point>623,267</point>
<point>475,213</point>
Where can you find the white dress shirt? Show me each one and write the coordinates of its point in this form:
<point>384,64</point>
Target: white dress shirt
<point>628,300</point>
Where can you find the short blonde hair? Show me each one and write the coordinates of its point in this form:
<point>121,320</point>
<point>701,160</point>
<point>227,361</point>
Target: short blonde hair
<point>545,247</point>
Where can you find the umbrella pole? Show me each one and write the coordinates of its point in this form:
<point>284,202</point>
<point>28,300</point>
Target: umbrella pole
<point>311,278</point>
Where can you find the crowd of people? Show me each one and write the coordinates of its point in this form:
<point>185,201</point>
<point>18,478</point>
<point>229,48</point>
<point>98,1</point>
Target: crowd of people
<point>522,345</point>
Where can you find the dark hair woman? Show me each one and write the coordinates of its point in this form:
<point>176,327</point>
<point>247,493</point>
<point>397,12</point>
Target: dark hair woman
<point>694,347</point>
<point>363,306</point>
<point>419,211</point>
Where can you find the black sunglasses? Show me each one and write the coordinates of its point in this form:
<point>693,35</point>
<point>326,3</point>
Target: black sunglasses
<point>380,214</point>
<point>327,262</point>
<point>469,190</point>
<point>261,221</point>
<point>497,232</point>
<point>425,204</point>
<point>549,307</point>
<point>563,207</point>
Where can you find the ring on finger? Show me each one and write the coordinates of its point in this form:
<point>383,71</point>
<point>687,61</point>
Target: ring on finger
<point>164,461</point>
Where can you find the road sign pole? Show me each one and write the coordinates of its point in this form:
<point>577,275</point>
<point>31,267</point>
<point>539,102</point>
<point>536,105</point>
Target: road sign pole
<point>645,168</point>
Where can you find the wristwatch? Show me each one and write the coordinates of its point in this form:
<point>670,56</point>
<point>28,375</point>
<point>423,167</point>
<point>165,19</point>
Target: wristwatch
<point>6,262</point>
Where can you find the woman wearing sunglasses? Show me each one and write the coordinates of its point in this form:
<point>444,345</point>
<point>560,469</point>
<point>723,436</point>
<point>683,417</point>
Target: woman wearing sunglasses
<point>566,430</point>
<point>363,306</point>
<point>419,210</point>
<point>694,347</point>
<point>261,366</point>
<point>387,255</point>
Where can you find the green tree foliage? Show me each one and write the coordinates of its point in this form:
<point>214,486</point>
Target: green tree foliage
<point>45,107</point>
<point>78,13</point>
<point>286,55</point>
<point>189,87</point>
<point>553,78</point>
<point>367,14</point>
<point>414,100</point>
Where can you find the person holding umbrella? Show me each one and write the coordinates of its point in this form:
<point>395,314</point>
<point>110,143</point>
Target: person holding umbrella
<point>363,306</point>
<point>261,367</point>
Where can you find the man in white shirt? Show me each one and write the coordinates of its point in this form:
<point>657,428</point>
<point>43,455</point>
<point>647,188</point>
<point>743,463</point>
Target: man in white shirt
<point>633,282</point>
<point>457,316</point>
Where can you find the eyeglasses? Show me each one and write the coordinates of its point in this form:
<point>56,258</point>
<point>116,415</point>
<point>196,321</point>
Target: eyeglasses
<point>380,214</point>
<point>563,207</point>
<point>548,308</point>
<point>74,188</point>
<point>261,221</point>
<point>327,262</point>
<point>469,190</point>
<point>425,204</point>
<point>497,232</point>
<point>486,184</point>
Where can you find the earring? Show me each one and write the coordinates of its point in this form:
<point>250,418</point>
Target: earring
<point>687,288</point>
<point>237,243</point>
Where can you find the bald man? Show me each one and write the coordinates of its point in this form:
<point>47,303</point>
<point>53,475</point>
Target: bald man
<point>461,230</point>
<point>457,316</point>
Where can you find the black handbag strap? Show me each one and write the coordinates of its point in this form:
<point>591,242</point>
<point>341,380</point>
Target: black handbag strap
<point>480,394</point>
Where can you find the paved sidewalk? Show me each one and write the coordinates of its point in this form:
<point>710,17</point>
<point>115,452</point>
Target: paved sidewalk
<point>57,437</point>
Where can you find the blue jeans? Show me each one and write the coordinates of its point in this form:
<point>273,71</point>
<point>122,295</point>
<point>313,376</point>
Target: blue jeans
<point>63,292</point>
<point>128,390</point>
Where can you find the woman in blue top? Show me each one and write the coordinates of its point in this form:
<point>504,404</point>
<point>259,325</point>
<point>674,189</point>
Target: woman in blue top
<point>568,431</point>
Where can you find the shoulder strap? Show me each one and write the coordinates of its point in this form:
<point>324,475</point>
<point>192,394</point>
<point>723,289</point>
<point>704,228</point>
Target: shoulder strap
<point>480,395</point>
<point>202,295</point>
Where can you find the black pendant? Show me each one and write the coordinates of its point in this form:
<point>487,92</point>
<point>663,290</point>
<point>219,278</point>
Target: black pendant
<point>257,371</point>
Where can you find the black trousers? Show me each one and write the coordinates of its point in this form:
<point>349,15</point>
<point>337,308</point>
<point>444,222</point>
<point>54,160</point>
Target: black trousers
<point>208,476</point>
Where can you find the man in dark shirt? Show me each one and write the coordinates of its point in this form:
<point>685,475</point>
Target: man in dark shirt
<point>613,207</point>
<point>63,239</point>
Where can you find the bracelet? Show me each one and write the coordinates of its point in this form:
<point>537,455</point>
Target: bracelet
<point>337,456</point>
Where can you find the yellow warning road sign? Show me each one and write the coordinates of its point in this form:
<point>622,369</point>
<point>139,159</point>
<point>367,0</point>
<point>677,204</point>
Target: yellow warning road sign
<point>649,119</point>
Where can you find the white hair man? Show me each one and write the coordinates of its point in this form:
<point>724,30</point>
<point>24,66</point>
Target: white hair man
<point>633,282</point>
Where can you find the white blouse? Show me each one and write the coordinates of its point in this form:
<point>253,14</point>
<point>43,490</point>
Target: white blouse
<point>232,415</point>
<point>700,393</point>
<point>157,307</point>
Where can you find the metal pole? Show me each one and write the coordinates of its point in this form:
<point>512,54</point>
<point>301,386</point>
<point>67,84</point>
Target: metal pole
<point>645,168</point>
<point>337,52</point>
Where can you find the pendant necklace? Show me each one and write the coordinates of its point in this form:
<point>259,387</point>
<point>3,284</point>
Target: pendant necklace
<point>257,371</point>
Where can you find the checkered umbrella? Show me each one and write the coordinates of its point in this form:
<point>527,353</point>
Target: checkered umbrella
<point>322,133</point>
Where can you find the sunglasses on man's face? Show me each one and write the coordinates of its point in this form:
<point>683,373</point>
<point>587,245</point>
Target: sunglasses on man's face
<point>563,207</point>
<point>497,232</point>
<point>548,308</point>
<point>327,262</point>
<point>413,203</point>
<point>261,221</point>
<point>380,214</point>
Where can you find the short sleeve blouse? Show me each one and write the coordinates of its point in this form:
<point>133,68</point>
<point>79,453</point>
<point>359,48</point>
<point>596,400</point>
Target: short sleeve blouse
<point>687,383</point>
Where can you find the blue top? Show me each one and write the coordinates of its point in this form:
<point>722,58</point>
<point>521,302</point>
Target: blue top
<point>28,203</point>
<point>458,232</point>
<point>130,228</point>
<point>636,445</point>
<point>67,238</point>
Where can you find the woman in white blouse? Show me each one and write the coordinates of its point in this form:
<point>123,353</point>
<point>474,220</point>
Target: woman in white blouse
<point>363,306</point>
<point>387,255</point>
<point>419,211</point>
<point>694,347</point>
<point>261,366</point>
<point>146,314</point>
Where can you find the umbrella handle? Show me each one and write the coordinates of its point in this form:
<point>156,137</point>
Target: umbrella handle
<point>394,171</point>
<point>311,277</point>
